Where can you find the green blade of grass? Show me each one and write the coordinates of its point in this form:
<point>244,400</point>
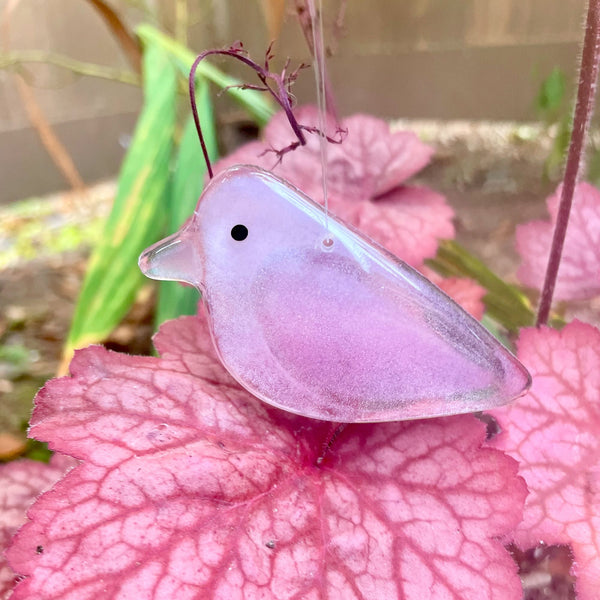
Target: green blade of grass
<point>258,105</point>
<point>504,303</point>
<point>175,299</point>
<point>137,217</point>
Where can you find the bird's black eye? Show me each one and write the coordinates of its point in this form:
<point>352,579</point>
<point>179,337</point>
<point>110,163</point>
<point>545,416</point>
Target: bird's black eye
<point>239,232</point>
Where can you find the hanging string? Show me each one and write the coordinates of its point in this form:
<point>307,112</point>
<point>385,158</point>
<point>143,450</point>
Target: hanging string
<point>316,17</point>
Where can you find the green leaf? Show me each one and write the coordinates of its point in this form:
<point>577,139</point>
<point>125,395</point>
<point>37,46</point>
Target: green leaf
<point>37,451</point>
<point>256,103</point>
<point>593,167</point>
<point>553,165</point>
<point>137,218</point>
<point>551,94</point>
<point>175,299</point>
<point>504,303</point>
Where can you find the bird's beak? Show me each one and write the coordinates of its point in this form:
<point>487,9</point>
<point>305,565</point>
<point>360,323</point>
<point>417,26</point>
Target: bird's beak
<point>173,259</point>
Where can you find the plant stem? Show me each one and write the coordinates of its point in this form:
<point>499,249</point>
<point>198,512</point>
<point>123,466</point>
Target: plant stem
<point>590,59</point>
<point>280,93</point>
<point>57,151</point>
<point>18,58</point>
<point>259,107</point>
<point>181,21</point>
<point>128,42</point>
<point>335,430</point>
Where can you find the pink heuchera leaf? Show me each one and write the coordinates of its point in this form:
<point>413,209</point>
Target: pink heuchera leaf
<point>366,175</point>
<point>191,488</point>
<point>554,433</point>
<point>21,481</point>
<point>465,292</point>
<point>579,273</point>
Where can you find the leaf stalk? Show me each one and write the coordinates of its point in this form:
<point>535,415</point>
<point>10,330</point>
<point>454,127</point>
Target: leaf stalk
<point>584,107</point>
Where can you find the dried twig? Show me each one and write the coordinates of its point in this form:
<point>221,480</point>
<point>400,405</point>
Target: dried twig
<point>128,42</point>
<point>340,134</point>
<point>181,21</point>
<point>56,150</point>
<point>58,153</point>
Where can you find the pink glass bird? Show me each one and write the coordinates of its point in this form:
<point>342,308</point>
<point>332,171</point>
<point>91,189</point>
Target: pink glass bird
<point>315,318</point>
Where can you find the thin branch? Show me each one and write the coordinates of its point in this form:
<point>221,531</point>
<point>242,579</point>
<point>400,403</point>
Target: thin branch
<point>281,152</point>
<point>276,84</point>
<point>53,145</point>
<point>128,42</point>
<point>181,21</point>
<point>279,92</point>
<point>588,74</point>
<point>58,153</point>
<point>273,11</point>
<point>18,58</point>
<point>338,26</point>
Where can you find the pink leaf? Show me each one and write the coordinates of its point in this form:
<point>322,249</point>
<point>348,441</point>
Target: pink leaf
<point>386,158</point>
<point>402,222</point>
<point>191,488</point>
<point>366,173</point>
<point>579,273</point>
<point>21,481</point>
<point>465,292</point>
<point>554,433</point>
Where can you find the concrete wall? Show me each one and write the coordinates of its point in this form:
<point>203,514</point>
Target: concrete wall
<point>476,59</point>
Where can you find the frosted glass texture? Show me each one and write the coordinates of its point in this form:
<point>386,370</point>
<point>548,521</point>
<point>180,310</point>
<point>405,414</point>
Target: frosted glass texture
<point>340,331</point>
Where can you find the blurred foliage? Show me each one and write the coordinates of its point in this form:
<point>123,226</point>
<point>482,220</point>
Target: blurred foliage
<point>158,187</point>
<point>138,214</point>
<point>556,110</point>
<point>255,103</point>
<point>37,228</point>
<point>175,299</point>
<point>14,360</point>
<point>37,451</point>
<point>551,96</point>
<point>504,303</point>
<point>163,174</point>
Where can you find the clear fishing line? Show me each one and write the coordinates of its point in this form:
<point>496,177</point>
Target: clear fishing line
<point>316,17</point>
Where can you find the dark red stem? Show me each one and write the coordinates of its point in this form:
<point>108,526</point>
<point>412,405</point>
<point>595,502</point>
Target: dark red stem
<point>335,430</point>
<point>588,74</point>
<point>280,94</point>
<point>192,92</point>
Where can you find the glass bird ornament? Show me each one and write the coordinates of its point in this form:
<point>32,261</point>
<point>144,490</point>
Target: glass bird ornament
<point>313,317</point>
